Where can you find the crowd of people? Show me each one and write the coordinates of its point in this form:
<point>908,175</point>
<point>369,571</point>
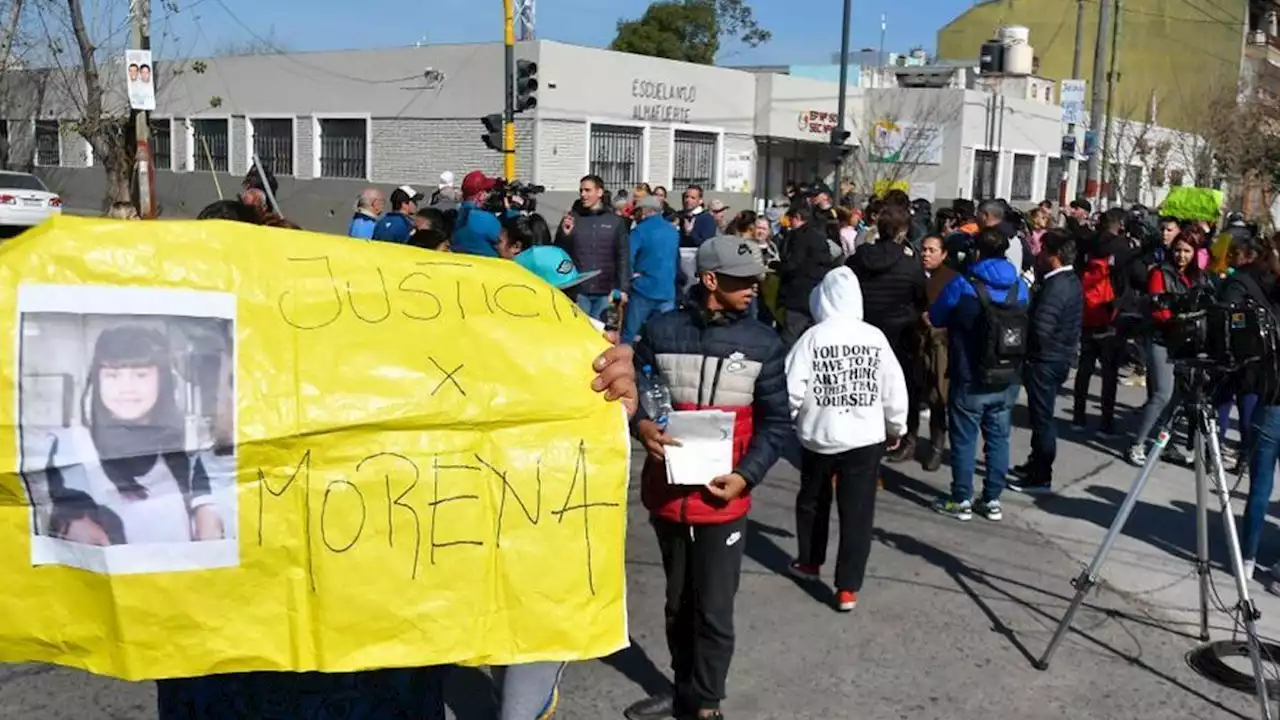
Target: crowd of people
<point>838,328</point>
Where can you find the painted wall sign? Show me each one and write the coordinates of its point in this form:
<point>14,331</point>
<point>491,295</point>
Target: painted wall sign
<point>662,102</point>
<point>817,122</point>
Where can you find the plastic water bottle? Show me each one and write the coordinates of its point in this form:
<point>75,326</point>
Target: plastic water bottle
<point>655,397</point>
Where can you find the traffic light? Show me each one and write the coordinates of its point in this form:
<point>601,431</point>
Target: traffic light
<point>526,85</point>
<point>493,137</point>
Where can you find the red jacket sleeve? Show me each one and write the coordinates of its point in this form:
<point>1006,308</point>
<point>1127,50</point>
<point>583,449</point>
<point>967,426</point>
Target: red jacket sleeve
<point>1155,286</point>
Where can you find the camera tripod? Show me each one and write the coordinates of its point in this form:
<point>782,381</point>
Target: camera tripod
<point>1208,456</point>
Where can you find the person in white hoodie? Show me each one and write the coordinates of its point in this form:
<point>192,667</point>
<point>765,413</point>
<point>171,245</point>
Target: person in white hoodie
<point>848,397</point>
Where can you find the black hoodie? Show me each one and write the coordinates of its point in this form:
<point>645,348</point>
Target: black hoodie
<point>893,285</point>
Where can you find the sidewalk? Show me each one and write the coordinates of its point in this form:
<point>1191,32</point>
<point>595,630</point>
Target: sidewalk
<point>1153,561</point>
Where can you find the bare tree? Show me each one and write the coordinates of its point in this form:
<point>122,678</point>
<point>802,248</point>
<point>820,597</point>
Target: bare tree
<point>268,43</point>
<point>900,134</point>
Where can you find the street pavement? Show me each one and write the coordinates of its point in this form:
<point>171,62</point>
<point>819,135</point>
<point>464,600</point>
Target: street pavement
<point>947,626</point>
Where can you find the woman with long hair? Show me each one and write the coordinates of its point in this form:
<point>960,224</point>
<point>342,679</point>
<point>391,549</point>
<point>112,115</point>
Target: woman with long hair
<point>933,351</point>
<point>1178,275</point>
<point>126,477</point>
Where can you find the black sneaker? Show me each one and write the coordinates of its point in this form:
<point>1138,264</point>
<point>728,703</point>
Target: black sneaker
<point>1032,486</point>
<point>658,707</point>
<point>1023,470</point>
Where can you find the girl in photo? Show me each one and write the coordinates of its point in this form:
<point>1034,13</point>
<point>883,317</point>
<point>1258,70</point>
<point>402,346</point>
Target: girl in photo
<point>124,476</point>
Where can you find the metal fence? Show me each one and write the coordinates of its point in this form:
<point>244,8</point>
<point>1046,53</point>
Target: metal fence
<point>616,155</point>
<point>162,145</point>
<point>273,142</point>
<point>695,160</point>
<point>48,153</point>
<point>211,145</point>
<point>343,144</point>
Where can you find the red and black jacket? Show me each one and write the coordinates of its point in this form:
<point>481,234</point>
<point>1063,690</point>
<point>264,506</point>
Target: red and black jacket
<point>724,362</point>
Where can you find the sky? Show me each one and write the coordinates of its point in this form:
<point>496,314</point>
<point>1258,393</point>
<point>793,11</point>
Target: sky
<point>811,36</point>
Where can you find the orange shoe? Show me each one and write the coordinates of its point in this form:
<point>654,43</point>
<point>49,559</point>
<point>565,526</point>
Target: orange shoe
<point>846,600</point>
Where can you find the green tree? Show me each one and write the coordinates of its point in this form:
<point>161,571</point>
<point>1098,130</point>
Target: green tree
<point>689,30</point>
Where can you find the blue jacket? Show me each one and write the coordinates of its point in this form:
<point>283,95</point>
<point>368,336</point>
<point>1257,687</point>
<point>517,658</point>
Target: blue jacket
<point>957,310</point>
<point>362,226</point>
<point>704,228</point>
<point>394,227</point>
<point>476,231</point>
<point>655,256</point>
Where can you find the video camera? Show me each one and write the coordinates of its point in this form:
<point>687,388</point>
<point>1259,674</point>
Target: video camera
<point>1143,225</point>
<point>517,195</point>
<point>1219,337</point>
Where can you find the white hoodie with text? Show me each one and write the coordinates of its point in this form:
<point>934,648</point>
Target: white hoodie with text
<point>845,387</point>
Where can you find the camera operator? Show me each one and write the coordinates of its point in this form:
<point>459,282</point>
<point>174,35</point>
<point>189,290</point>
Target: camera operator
<point>476,229</point>
<point>1255,280</point>
<point>1180,275</point>
<point>597,238</point>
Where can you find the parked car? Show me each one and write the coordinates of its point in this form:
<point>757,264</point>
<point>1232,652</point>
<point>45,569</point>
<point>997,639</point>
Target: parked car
<point>25,201</point>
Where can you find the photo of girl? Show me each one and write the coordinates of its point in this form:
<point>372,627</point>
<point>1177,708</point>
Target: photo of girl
<point>143,473</point>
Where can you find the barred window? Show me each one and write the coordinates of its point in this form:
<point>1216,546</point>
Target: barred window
<point>616,155</point>
<point>48,144</point>
<point>1024,171</point>
<point>1176,177</point>
<point>273,142</point>
<point>162,144</point>
<point>1132,184</point>
<point>1053,179</point>
<point>695,160</point>
<point>211,145</point>
<point>342,147</point>
<point>984,174</point>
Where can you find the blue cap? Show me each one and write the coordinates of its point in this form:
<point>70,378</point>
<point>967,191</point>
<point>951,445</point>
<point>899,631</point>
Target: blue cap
<point>553,265</point>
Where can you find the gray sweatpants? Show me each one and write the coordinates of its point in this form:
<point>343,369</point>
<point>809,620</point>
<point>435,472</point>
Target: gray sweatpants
<point>529,691</point>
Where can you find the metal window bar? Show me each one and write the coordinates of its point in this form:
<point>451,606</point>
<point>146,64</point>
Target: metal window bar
<point>695,160</point>
<point>342,148</point>
<point>47,154</point>
<point>616,155</point>
<point>1132,184</point>
<point>1053,179</point>
<point>273,141</point>
<point>1024,167</point>
<point>984,173</point>
<point>161,145</point>
<point>210,143</point>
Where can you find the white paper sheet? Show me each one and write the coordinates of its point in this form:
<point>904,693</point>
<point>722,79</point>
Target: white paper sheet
<point>706,446</point>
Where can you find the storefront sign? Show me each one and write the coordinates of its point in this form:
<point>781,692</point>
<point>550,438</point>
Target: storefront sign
<point>817,122</point>
<point>662,102</point>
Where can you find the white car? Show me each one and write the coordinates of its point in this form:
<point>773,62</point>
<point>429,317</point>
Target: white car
<point>25,201</point>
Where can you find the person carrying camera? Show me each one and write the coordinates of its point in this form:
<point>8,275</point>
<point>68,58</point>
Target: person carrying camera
<point>476,230</point>
<point>1179,275</point>
<point>597,238</point>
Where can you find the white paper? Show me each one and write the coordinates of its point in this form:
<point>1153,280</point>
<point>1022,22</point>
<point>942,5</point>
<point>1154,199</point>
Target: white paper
<point>706,446</point>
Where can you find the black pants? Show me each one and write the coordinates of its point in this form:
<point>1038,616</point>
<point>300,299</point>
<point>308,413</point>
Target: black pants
<point>1042,381</point>
<point>855,490</point>
<point>1106,348</point>
<point>703,564</point>
<point>905,342</point>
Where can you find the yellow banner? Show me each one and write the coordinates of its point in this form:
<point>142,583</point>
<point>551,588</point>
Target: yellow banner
<point>241,448</point>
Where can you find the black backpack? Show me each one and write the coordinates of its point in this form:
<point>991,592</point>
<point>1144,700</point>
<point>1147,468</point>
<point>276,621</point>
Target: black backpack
<point>1002,331</point>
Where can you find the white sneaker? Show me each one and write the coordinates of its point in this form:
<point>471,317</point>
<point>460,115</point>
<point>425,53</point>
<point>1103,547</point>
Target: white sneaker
<point>1137,455</point>
<point>1249,566</point>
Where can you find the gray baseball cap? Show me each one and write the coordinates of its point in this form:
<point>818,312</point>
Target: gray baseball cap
<point>729,255</point>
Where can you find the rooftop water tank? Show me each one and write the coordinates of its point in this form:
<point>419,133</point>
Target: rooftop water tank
<point>1019,60</point>
<point>1014,35</point>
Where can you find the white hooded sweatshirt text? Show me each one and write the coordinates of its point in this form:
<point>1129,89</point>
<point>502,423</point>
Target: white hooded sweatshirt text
<point>845,387</point>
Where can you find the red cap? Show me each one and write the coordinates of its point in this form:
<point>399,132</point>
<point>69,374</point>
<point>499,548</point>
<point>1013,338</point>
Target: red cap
<point>476,182</point>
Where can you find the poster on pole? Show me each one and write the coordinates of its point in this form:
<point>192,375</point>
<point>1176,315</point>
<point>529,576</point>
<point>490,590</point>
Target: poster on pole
<point>1071,95</point>
<point>141,82</point>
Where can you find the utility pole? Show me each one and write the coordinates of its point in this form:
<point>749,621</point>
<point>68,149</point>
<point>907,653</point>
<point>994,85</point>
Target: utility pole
<point>880,56</point>
<point>839,135</point>
<point>1113,77</point>
<point>140,39</point>
<point>1072,168</point>
<point>1097,100</point>
<point>509,90</point>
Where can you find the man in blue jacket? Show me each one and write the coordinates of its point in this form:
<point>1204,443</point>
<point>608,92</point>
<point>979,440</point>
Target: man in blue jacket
<point>1056,314</point>
<point>655,255</point>
<point>476,230</point>
<point>397,225</point>
<point>973,405</point>
<point>696,223</point>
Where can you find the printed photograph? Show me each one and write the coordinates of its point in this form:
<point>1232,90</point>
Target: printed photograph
<point>126,425</point>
